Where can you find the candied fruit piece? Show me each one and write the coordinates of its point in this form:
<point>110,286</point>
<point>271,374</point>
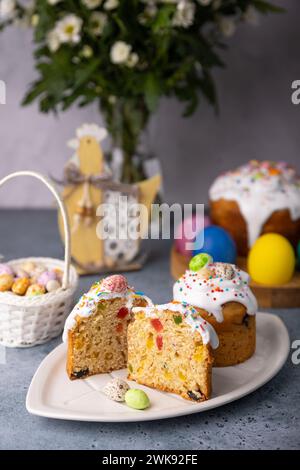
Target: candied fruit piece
<point>119,328</point>
<point>123,312</point>
<point>150,342</point>
<point>198,356</point>
<point>159,342</point>
<point>182,376</point>
<point>167,375</point>
<point>157,324</point>
<point>177,319</point>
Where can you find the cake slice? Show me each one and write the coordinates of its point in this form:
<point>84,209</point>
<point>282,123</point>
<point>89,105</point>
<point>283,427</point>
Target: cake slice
<point>96,329</point>
<point>170,349</point>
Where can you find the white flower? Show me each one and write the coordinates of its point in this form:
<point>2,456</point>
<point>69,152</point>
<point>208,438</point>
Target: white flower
<point>227,26</point>
<point>53,41</point>
<point>35,20</point>
<point>91,4</point>
<point>53,2</point>
<point>87,52</point>
<point>184,15</point>
<point>7,9</point>
<point>120,52</point>
<point>68,29</point>
<point>98,21</point>
<point>251,16</point>
<point>132,60</point>
<point>111,4</point>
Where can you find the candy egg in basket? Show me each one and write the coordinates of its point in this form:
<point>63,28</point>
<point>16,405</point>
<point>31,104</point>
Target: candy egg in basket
<point>36,294</point>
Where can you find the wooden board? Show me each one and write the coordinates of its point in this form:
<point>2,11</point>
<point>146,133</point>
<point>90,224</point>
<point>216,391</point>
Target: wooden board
<point>285,296</point>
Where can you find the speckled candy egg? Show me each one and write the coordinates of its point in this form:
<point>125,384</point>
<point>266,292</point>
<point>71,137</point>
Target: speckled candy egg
<point>34,290</point>
<point>218,243</point>
<point>20,286</point>
<point>116,389</point>
<point>6,282</point>
<point>6,269</point>
<point>185,232</point>
<point>271,260</point>
<point>53,285</point>
<point>45,277</point>
<point>116,283</point>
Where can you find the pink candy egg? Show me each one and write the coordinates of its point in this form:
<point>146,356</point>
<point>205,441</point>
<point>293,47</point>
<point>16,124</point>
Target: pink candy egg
<point>186,232</point>
<point>115,283</point>
<point>45,277</point>
<point>6,269</point>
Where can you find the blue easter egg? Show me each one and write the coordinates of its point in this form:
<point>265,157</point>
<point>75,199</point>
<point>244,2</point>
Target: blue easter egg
<point>217,243</point>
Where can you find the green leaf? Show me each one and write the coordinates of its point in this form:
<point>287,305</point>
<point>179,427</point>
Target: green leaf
<point>153,91</point>
<point>266,7</point>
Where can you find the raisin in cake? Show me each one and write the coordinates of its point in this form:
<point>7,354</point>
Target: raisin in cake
<point>96,329</point>
<point>169,348</point>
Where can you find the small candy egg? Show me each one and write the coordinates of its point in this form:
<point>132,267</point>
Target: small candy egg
<point>40,269</point>
<point>20,286</point>
<point>45,277</point>
<point>115,283</point>
<point>20,273</point>
<point>6,282</point>
<point>200,261</point>
<point>116,389</point>
<point>186,231</point>
<point>52,285</point>
<point>28,266</point>
<point>137,399</point>
<point>223,270</point>
<point>218,243</point>
<point>271,260</point>
<point>6,269</point>
<point>59,274</point>
<point>34,290</point>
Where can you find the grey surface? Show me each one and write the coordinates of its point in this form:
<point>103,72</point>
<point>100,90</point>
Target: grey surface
<point>257,118</point>
<point>268,418</point>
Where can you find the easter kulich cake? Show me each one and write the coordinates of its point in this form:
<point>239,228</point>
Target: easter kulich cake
<point>169,348</point>
<point>221,294</point>
<point>257,198</point>
<point>96,329</point>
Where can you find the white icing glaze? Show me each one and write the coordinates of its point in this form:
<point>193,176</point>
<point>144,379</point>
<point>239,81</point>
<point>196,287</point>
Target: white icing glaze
<point>259,188</point>
<point>190,316</point>
<point>212,293</point>
<point>88,304</point>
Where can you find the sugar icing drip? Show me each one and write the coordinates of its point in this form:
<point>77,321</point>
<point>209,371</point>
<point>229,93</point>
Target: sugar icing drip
<point>207,290</point>
<point>259,188</point>
<point>88,304</point>
<point>190,316</point>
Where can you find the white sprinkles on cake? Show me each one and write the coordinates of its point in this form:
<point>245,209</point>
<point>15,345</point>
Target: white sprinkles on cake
<point>259,189</point>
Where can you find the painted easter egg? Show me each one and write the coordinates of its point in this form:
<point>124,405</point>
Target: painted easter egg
<point>271,260</point>
<point>216,242</point>
<point>186,230</point>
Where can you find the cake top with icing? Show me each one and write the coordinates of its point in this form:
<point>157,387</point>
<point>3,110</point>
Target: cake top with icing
<point>186,313</point>
<point>211,285</point>
<point>263,176</point>
<point>111,287</point>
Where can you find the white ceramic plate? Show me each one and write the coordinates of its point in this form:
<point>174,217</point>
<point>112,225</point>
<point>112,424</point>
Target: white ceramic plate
<point>53,395</point>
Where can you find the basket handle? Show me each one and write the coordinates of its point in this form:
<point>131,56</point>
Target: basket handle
<point>48,183</point>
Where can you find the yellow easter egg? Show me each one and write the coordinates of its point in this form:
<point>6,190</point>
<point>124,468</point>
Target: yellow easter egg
<point>271,260</point>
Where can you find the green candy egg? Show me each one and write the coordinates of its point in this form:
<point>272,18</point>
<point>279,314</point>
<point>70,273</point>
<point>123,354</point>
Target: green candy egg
<point>137,399</point>
<point>200,261</point>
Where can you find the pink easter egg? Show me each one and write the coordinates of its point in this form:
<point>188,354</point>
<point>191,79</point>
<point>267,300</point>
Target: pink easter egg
<point>6,269</point>
<point>186,232</point>
<point>45,277</point>
<point>115,283</point>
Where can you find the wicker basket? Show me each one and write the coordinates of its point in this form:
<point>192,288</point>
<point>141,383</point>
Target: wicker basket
<point>27,321</point>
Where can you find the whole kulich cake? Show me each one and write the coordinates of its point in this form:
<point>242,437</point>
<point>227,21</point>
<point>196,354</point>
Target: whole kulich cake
<point>170,349</point>
<point>221,294</point>
<point>96,329</point>
<point>257,198</point>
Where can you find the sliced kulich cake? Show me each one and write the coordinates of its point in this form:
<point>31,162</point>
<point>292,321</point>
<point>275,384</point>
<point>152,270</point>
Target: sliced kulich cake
<point>222,296</point>
<point>96,329</point>
<point>170,349</point>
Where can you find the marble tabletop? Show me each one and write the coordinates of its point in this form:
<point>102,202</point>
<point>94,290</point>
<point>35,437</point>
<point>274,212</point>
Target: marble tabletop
<point>266,419</point>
